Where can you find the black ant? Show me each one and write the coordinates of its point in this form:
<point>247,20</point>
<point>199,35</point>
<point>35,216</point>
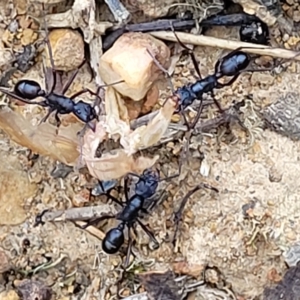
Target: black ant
<point>231,65</point>
<point>27,90</point>
<point>145,188</point>
<point>252,29</point>
<point>255,32</point>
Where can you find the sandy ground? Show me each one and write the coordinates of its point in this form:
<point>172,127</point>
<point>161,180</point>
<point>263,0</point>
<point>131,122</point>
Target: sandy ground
<point>262,172</point>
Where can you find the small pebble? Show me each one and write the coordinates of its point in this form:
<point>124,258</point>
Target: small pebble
<point>176,118</point>
<point>285,37</point>
<point>283,116</point>
<point>61,171</point>
<point>292,255</point>
<point>67,47</point>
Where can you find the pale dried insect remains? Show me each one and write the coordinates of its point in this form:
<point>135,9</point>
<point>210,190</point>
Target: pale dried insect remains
<point>122,62</point>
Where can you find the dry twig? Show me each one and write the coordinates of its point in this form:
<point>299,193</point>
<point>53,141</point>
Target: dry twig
<point>201,40</point>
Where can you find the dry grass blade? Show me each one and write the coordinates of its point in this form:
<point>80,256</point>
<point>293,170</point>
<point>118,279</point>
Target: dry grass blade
<point>92,230</point>
<point>201,40</point>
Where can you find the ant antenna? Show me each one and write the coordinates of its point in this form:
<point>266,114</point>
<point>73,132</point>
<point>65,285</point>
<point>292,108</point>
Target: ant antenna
<point>53,75</point>
<point>158,64</point>
<point>98,100</point>
<point>191,53</point>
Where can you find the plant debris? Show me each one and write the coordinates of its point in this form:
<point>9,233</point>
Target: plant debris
<point>33,289</point>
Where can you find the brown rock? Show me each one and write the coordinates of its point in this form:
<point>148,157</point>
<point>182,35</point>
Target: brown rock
<point>129,60</point>
<point>9,295</point>
<point>33,289</point>
<point>67,48</point>
<point>14,189</point>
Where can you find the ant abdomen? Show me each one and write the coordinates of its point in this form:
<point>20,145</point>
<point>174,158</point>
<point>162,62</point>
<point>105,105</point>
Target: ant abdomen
<point>113,240</point>
<point>235,63</point>
<point>28,89</point>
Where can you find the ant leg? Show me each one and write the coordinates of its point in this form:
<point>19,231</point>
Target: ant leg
<point>196,119</point>
<point>186,122</point>
<point>57,119</point>
<point>230,82</point>
<point>102,186</point>
<point>91,125</point>
<point>50,111</point>
<point>71,79</point>
<point>221,110</point>
<point>135,175</point>
<point>155,200</point>
<point>97,101</point>
<point>51,87</point>
<point>94,221</point>
<point>220,85</point>
<point>126,188</point>
<point>107,193</point>
<point>191,53</point>
<point>39,218</point>
<point>114,199</point>
<point>163,70</point>
<point>169,177</point>
<point>258,70</point>
<point>149,233</point>
<point>86,90</point>
<point>53,72</point>
<point>279,63</point>
<point>185,151</point>
<point>87,125</point>
<point>185,148</point>
<point>129,248</point>
<point>178,213</point>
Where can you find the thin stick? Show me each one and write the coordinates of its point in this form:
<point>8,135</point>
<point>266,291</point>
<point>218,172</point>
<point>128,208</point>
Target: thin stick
<point>201,40</point>
<point>92,230</point>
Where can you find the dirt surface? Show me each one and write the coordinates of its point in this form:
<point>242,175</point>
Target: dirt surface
<point>242,231</point>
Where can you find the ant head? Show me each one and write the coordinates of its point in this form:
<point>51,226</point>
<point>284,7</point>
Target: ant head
<point>151,174</point>
<point>113,239</point>
<point>28,89</point>
<point>184,98</point>
<point>84,111</point>
<point>148,183</point>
